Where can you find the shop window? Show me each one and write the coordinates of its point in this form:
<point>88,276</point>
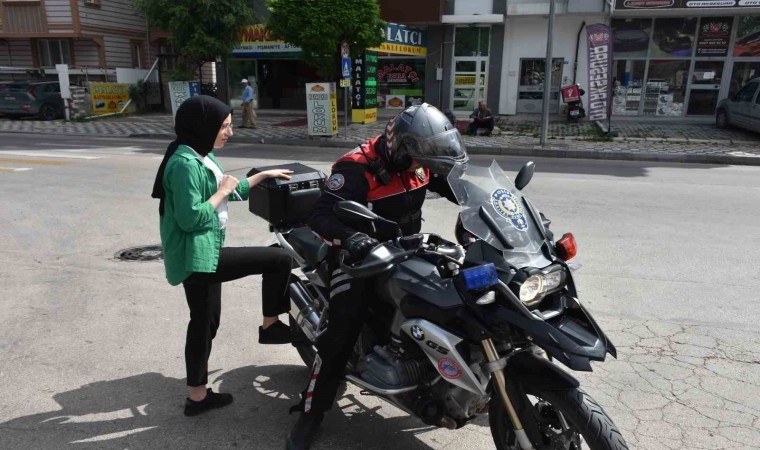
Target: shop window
<point>472,41</point>
<point>53,51</point>
<point>673,37</point>
<point>631,37</point>
<point>628,80</point>
<point>747,36</point>
<point>665,87</point>
<point>742,73</point>
<point>400,82</point>
<point>137,54</point>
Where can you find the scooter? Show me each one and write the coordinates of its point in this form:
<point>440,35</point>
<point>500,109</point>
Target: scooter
<point>575,110</point>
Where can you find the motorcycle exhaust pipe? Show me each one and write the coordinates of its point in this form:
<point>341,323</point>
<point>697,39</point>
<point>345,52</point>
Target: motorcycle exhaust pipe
<point>303,311</point>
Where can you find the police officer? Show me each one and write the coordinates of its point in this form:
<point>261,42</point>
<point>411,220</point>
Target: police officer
<point>391,174</point>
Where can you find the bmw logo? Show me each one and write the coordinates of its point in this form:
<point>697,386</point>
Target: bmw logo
<point>417,333</point>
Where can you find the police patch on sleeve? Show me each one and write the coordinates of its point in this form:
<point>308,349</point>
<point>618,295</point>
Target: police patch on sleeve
<point>335,182</point>
<point>505,204</point>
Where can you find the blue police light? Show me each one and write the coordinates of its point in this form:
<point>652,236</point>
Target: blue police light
<point>479,277</point>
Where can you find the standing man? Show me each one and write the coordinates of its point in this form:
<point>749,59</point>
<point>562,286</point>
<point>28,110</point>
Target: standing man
<point>249,115</point>
<point>481,118</point>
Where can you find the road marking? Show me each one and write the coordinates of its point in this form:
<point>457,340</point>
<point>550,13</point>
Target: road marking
<point>34,161</point>
<point>50,155</point>
<point>14,169</point>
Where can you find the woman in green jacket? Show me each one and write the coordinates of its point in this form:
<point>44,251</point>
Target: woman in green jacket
<point>194,192</point>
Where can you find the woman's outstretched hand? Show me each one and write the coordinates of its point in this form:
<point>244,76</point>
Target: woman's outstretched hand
<point>278,173</point>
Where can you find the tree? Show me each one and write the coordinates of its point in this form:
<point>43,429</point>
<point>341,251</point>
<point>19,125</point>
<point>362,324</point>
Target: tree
<point>200,30</point>
<point>319,26</point>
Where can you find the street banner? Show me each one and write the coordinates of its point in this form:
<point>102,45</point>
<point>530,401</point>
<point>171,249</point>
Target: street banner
<point>599,38</point>
<point>108,98</point>
<point>321,109</point>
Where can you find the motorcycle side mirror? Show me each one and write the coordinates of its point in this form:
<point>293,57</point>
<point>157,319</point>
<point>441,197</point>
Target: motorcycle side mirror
<point>524,175</point>
<point>352,211</point>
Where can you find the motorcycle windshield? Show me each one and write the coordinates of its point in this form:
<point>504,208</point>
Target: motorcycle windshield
<point>495,211</point>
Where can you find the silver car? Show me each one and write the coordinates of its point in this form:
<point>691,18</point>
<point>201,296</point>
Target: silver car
<point>742,109</point>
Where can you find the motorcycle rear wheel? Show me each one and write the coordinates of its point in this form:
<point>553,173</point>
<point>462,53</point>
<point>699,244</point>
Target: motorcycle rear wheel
<point>537,406</point>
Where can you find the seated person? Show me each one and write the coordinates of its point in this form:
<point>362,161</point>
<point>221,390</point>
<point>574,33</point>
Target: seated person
<point>481,118</point>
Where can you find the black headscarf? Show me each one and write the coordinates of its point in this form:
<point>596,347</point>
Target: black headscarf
<point>197,124</point>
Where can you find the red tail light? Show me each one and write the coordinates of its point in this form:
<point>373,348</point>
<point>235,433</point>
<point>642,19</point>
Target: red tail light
<point>566,247</point>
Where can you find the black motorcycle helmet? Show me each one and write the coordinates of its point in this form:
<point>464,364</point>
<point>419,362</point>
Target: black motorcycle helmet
<point>424,134</point>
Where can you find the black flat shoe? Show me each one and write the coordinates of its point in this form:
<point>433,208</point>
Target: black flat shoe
<point>302,434</point>
<point>279,333</point>
<point>213,400</point>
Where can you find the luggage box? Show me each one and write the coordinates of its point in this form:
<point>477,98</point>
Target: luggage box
<point>284,202</point>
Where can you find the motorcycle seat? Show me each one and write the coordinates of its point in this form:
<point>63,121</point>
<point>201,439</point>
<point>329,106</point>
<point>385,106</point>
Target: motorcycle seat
<point>308,245</point>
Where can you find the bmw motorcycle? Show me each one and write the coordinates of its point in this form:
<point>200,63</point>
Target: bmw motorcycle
<point>463,329</point>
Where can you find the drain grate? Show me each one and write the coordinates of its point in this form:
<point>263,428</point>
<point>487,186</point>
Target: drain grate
<point>144,253</point>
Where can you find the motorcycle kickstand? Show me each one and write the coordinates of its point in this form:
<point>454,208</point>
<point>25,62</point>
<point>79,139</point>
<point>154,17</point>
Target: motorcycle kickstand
<point>492,355</point>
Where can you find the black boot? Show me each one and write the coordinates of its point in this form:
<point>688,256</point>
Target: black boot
<point>303,431</point>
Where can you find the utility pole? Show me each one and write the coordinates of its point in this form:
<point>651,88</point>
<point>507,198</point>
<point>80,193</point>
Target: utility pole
<point>547,76</point>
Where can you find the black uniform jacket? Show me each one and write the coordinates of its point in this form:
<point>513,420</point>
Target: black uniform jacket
<point>399,201</point>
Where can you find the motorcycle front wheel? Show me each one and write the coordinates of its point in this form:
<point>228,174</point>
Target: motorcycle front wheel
<point>553,419</point>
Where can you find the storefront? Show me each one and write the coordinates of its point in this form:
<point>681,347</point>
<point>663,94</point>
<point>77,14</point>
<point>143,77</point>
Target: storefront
<point>673,60</point>
<point>401,67</point>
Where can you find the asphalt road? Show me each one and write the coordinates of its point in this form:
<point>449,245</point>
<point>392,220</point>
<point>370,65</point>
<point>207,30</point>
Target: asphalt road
<point>91,347</point>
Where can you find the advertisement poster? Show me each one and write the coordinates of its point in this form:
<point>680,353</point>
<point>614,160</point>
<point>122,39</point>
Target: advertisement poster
<point>321,109</point>
<point>714,36</point>
<point>747,36</point>
<point>599,37</point>
<point>179,91</point>
<point>108,98</point>
<point>673,37</point>
<point>631,37</point>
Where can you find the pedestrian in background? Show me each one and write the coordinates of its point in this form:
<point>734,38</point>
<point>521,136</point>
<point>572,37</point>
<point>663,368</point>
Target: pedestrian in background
<point>193,192</point>
<point>249,114</point>
<point>481,118</point>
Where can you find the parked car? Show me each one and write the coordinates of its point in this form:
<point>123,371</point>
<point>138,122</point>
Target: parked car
<point>31,98</point>
<point>741,109</point>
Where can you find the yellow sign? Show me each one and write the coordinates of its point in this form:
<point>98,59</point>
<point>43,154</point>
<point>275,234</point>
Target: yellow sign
<point>259,39</point>
<point>108,97</point>
<point>346,82</point>
<point>467,80</point>
<point>364,115</point>
<point>400,49</point>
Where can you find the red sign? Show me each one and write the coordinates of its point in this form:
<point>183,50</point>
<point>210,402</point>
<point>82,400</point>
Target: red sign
<point>397,74</point>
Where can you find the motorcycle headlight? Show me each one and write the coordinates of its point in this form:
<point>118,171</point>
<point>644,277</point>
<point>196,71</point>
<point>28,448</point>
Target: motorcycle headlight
<point>537,286</point>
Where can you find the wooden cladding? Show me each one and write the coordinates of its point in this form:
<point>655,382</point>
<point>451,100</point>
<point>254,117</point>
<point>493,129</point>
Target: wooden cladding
<point>19,18</point>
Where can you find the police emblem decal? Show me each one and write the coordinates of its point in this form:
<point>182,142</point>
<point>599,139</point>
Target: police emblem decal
<point>417,333</point>
<point>335,182</point>
<point>448,368</point>
<point>420,172</point>
<point>505,204</point>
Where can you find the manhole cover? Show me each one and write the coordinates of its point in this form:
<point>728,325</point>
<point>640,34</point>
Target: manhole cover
<point>144,253</point>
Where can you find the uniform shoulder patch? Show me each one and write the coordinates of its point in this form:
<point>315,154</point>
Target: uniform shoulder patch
<point>335,182</point>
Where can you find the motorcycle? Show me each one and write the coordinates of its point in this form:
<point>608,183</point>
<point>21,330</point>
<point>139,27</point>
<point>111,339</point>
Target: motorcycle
<point>463,329</point>
<point>572,95</point>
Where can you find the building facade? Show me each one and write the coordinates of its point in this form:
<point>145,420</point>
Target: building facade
<point>94,37</point>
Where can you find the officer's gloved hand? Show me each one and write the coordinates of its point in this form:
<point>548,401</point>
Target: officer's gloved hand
<point>359,245</point>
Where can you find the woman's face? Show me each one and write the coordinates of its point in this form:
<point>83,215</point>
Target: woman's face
<point>225,132</point>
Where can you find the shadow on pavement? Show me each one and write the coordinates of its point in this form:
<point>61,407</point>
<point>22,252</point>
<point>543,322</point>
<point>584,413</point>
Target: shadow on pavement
<point>146,411</point>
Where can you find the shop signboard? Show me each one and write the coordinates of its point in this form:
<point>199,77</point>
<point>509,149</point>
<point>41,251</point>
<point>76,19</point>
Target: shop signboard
<point>688,4</point>
<point>108,98</point>
<point>599,38</point>
<point>364,82</point>
<point>258,40</point>
<point>714,36</point>
<point>403,40</point>
<point>397,74</point>
<point>179,91</point>
<point>321,109</point>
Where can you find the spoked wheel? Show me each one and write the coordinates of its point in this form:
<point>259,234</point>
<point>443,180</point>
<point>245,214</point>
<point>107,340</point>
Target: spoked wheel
<point>554,420</point>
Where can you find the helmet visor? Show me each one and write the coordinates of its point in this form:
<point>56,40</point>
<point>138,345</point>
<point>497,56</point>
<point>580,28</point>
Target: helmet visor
<point>447,145</point>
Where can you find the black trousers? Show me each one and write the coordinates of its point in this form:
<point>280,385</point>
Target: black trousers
<point>349,299</point>
<point>204,297</point>
<point>475,124</point>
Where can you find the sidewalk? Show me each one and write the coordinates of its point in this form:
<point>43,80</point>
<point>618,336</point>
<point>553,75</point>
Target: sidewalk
<point>685,140</point>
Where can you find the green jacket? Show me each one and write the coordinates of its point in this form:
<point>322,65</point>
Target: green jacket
<point>190,234</point>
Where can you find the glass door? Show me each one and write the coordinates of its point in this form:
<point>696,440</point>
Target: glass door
<point>704,87</point>
<point>470,81</point>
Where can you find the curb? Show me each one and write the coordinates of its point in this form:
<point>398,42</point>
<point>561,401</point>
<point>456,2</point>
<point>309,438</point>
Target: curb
<point>534,152</point>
